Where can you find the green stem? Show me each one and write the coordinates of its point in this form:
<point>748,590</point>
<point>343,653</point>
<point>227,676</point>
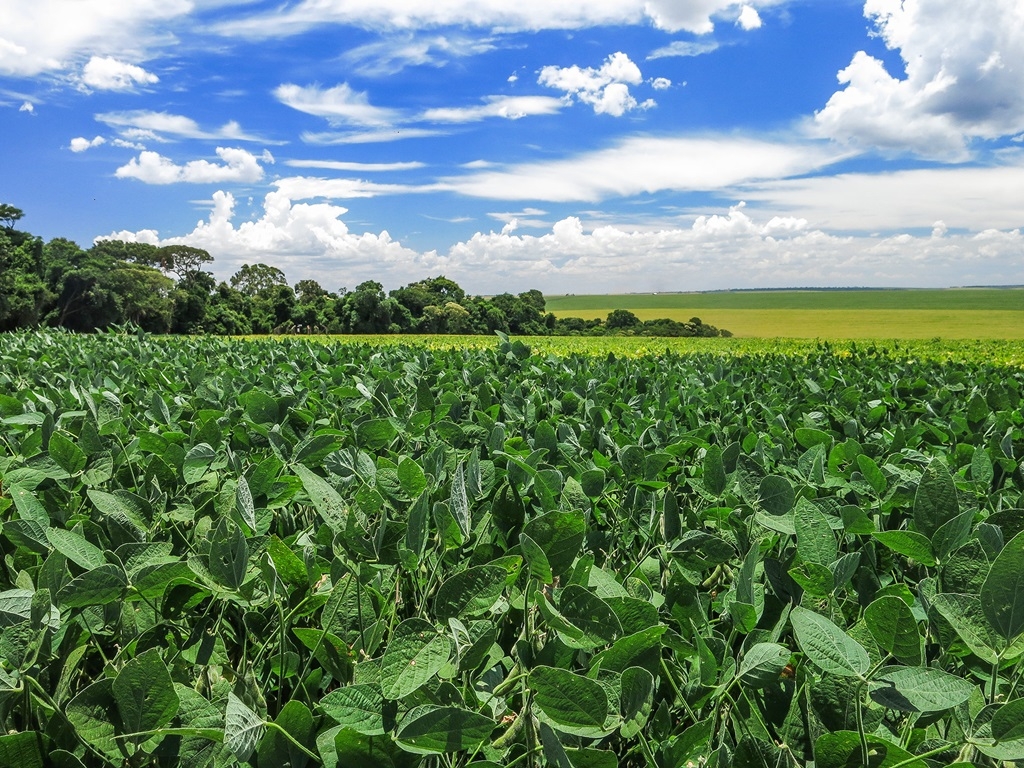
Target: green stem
<point>864,752</point>
<point>294,741</point>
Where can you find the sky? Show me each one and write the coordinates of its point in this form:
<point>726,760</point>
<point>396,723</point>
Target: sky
<point>606,146</point>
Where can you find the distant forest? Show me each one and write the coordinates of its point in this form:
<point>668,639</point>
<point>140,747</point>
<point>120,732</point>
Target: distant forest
<point>168,290</point>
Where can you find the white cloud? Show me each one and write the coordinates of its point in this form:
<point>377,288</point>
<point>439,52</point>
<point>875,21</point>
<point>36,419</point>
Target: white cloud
<point>369,137</point>
<point>109,74</point>
<point>80,143</point>
<point>501,15</point>
<point>509,107</point>
<point>143,125</point>
<point>27,106</point>
<point>338,105</point>
<point>646,165</point>
<point>963,197</point>
<point>964,79</point>
<point>661,83</point>
<point>238,166</point>
<point>684,48</point>
<point>335,165</point>
<point>714,250</point>
<point>749,18</point>
<point>52,35</point>
<point>395,53</point>
<point>606,89</point>
<point>311,188</point>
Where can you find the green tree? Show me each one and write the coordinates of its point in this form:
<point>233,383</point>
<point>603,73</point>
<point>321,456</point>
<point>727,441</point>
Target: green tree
<point>23,293</point>
<point>621,319</point>
<point>256,278</point>
<point>10,215</point>
<point>183,260</point>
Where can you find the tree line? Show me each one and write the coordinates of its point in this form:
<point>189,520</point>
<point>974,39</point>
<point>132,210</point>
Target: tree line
<point>166,289</point>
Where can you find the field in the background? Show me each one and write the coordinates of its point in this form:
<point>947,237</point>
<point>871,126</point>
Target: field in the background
<point>980,313</point>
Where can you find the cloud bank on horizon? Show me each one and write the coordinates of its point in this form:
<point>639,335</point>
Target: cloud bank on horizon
<point>614,145</point>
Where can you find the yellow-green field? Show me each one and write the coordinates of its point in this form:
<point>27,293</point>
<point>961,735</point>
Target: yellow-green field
<point>903,314</point>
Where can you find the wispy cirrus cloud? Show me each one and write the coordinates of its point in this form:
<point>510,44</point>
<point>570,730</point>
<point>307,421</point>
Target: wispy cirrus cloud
<point>340,165</point>
<point>508,107</point>
<point>140,125</point>
<point>394,53</point>
<point>339,105</point>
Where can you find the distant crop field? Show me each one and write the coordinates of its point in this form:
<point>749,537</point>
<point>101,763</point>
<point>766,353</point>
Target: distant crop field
<point>906,314</point>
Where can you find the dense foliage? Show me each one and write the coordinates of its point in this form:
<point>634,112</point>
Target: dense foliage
<point>278,553</point>
<point>113,282</point>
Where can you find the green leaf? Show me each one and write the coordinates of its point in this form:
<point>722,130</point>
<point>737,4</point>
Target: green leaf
<point>459,502</point>
<point>470,592</point>
<point>894,628</point>
<point>1002,594</point>
<point>229,554</point>
<point>776,495</point>
<point>411,477</point>
<point>593,617</point>
<point>560,534</point>
<point>763,664</point>
<point>21,750</point>
<point>415,653</point>
<point>827,645</point>
<point>93,714</point>
<point>965,614</point>
<point>1008,721</point>
<point>935,502</point>
<point>259,407</point>
<point>197,461</point>
<point>537,561</point>
<point>244,504</point>
<point>636,700</point>
<point>76,548</point>
<point>436,730</point>
<point>243,728</point>
<point>359,707</point>
<point>842,749</point>
<point>325,499</point>
<point>375,434</point>
<point>145,695</point>
<point>16,607</point>
<point>432,730</point>
<point>815,541</point>
<point>919,689</point>
<point>275,749</point>
<point>713,476</point>
<point>289,567</point>
<point>66,454</point>
<point>568,702</point>
<point>872,474</point>
<point>100,586</point>
<point>909,543</point>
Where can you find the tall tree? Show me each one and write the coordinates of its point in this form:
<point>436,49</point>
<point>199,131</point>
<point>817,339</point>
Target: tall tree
<point>252,279</point>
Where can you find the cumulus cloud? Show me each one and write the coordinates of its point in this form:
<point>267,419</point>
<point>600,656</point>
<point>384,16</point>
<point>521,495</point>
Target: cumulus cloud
<point>529,15</point>
<point>108,74</point>
<point>731,248</point>
<point>749,18</point>
<point>646,165</point>
<point>238,166</point>
<point>338,105</point>
<point>963,79</point>
<point>606,88</point>
<point>145,125</point>
<point>27,106</point>
<point>661,83</point>
<point>80,143</point>
<point>508,107</point>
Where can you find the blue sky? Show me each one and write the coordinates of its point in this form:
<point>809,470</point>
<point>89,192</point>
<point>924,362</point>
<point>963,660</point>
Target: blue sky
<point>606,146</point>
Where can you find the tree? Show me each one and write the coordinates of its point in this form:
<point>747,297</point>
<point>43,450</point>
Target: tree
<point>183,260</point>
<point>126,250</point>
<point>308,291</point>
<point>366,310</point>
<point>256,278</point>
<point>534,298</point>
<point>10,215</point>
<point>621,319</point>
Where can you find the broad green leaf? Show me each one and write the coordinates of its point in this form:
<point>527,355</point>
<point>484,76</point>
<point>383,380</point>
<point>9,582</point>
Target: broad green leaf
<point>66,454</point>
<point>16,607</point>
<point>827,645</point>
<point>93,714</point>
<point>536,560</point>
<point>275,749</point>
<point>411,477</point>
<point>414,654</point>
<point>1002,594</point>
<point>952,534</point>
<point>325,499</point>
<point>909,543</point>
<point>197,462</point>
<point>289,567</point>
<point>843,750</point>
<point>100,586</point>
<point>459,502</point>
<point>21,750</point>
<point>593,617</point>
<point>229,555</point>
<point>698,550</point>
<point>560,534</point>
<point>260,407</point>
<point>919,689</point>
<point>894,628</point>
<point>244,504</point>
<point>76,548</point>
<point>359,707</point>
<point>965,614</point>
<point>763,664</point>
<point>872,474</point>
<point>196,712</point>
<point>145,695</point>
<point>713,475</point>
<point>375,434</point>
<point>432,730</point>
<point>815,541</point>
<point>243,728</point>
<point>636,700</point>
<point>776,495</point>
<point>936,501</point>
<point>470,592</point>
<point>568,702</point>
<point>1008,721</point>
